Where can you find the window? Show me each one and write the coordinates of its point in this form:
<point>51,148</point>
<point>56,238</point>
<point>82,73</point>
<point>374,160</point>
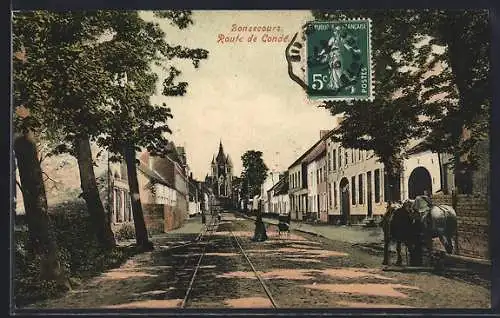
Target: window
<point>329,163</point>
<point>353,190</point>
<point>359,154</point>
<point>340,157</point>
<point>330,195</point>
<point>119,206</point>
<point>360,189</point>
<point>345,155</point>
<point>335,194</point>
<point>299,183</point>
<point>334,158</point>
<point>115,205</point>
<point>352,155</point>
<point>377,185</point>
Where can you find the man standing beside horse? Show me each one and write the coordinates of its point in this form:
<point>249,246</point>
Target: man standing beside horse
<point>417,222</point>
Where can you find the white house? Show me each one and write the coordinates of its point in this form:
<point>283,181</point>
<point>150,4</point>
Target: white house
<point>279,198</point>
<point>316,182</point>
<point>421,172</point>
<point>271,180</point>
<point>357,185</point>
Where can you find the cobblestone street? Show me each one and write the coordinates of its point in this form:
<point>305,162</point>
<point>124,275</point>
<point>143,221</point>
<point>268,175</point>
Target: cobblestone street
<point>298,271</point>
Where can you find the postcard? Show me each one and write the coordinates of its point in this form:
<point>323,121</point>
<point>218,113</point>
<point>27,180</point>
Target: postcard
<point>281,159</point>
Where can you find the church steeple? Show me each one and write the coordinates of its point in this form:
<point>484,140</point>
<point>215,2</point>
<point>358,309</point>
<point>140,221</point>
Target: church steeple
<point>221,174</point>
<point>221,157</point>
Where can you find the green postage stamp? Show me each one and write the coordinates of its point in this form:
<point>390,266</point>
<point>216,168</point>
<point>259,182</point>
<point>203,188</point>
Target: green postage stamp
<point>339,64</point>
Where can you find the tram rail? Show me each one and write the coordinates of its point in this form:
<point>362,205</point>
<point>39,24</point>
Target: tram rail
<point>245,255</point>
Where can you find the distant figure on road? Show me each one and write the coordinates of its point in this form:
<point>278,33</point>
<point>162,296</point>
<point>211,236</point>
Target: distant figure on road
<point>260,234</point>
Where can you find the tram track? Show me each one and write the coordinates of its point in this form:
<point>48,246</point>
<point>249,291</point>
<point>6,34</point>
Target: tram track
<point>235,243</point>
<point>212,227</point>
<point>256,273</point>
<point>207,228</point>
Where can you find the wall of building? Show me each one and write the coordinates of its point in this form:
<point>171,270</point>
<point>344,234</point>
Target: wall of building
<point>346,164</point>
<point>481,176</point>
<point>427,160</point>
<point>312,188</point>
<point>154,217</point>
<point>297,192</point>
<point>280,204</point>
<point>271,179</point>
<point>473,218</point>
<point>194,208</point>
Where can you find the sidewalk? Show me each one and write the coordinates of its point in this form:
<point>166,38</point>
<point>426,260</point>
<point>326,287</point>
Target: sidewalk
<point>349,234</point>
<point>191,225</point>
<point>373,238</point>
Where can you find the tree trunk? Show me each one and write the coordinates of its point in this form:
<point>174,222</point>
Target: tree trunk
<point>392,183</point>
<point>141,232</point>
<point>462,78</point>
<point>41,236</point>
<point>90,193</point>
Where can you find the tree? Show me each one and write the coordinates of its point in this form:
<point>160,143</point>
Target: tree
<point>27,96</point>
<point>66,86</point>
<point>405,105</point>
<point>132,122</point>
<point>387,124</point>
<point>254,172</point>
<point>458,127</point>
<point>253,176</point>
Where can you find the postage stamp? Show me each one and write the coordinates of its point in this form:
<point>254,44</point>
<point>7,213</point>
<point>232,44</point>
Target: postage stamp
<point>339,65</point>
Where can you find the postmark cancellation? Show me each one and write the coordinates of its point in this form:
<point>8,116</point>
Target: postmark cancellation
<point>335,60</point>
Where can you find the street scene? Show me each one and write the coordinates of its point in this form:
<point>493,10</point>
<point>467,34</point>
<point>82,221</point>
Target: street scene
<point>225,269</point>
<point>183,159</point>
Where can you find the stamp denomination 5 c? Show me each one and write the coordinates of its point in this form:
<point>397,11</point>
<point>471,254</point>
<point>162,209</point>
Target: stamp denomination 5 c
<point>339,65</point>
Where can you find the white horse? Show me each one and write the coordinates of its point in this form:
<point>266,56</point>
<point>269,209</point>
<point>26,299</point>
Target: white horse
<point>437,220</point>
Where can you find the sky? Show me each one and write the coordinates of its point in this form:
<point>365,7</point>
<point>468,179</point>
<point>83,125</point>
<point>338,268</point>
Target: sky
<point>241,95</point>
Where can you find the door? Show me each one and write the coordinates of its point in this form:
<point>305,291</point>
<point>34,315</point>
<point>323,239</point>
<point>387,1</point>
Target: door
<point>369,193</point>
<point>344,200</point>
<point>419,182</point>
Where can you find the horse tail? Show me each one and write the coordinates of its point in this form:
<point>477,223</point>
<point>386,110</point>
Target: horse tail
<point>451,222</point>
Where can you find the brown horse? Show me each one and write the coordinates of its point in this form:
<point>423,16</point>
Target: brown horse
<point>400,226</point>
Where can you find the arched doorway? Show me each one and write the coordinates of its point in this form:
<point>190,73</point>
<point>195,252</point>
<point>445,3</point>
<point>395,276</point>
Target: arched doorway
<point>344,200</point>
<point>420,180</point>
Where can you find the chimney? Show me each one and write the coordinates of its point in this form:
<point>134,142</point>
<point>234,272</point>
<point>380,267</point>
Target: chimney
<point>322,133</point>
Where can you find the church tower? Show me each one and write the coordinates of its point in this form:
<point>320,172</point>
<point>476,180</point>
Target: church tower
<point>221,174</point>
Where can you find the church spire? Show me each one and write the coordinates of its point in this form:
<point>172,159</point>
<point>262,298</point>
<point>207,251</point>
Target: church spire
<point>220,156</point>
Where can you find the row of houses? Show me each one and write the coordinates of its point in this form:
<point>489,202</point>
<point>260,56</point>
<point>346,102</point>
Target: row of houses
<point>333,184</point>
<point>168,192</point>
